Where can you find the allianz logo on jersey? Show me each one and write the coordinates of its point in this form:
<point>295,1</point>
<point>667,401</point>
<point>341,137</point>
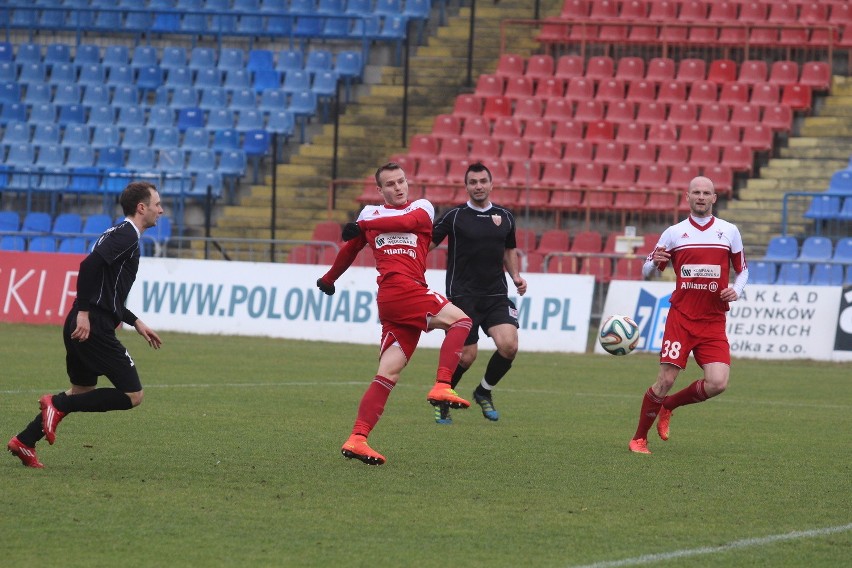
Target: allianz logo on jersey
<point>701,271</point>
<point>396,239</point>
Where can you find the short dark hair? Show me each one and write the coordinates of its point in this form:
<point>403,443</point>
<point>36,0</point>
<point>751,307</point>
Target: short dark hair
<point>477,168</point>
<point>390,166</point>
<point>135,193</point>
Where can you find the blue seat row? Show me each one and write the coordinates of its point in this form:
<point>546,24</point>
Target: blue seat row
<point>813,249</point>
<point>819,261</point>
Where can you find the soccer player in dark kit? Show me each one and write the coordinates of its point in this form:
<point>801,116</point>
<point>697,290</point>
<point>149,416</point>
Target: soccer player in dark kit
<point>481,244</point>
<point>91,346</point>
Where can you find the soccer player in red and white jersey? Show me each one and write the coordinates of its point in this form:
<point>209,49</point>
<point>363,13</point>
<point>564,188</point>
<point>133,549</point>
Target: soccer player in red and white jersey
<point>701,250</point>
<point>399,232</point>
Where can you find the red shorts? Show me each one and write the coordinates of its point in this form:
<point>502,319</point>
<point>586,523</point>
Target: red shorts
<point>405,307</point>
<point>705,339</point>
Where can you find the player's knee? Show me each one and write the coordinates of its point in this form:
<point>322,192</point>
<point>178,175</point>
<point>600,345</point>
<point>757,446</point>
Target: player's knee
<point>715,386</point>
<point>135,398</point>
<point>509,351</point>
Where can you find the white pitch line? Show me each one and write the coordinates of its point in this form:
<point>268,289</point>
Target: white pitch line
<point>735,545</point>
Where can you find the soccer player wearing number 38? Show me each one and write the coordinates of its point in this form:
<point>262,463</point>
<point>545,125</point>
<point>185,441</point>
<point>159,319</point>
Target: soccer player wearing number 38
<point>701,250</point>
<point>399,232</point>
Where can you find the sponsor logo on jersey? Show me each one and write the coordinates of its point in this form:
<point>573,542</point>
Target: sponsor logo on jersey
<point>701,271</point>
<point>396,240</point>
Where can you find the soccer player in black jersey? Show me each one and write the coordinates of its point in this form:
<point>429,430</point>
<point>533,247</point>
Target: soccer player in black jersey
<point>481,243</point>
<point>91,346</point>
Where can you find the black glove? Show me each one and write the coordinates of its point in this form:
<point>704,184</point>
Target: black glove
<point>327,289</point>
<point>350,231</point>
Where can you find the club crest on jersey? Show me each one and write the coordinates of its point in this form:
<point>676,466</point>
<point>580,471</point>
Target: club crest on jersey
<point>497,219</point>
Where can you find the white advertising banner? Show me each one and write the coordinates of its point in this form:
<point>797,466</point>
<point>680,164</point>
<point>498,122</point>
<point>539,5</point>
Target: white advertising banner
<point>282,300</point>
<point>768,322</point>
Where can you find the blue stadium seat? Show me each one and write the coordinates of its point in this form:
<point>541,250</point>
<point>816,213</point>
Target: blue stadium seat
<point>318,60</point>
<point>233,163</point>
<point>72,245</point>
<point>36,222</point>
<point>794,273</point>
<point>7,51</point>
<point>841,182</point>
<point>28,53</point>
<point>118,76</point>
<point>308,27</point>
<point>67,223</point>
<point>92,74</point>
<point>42,244</point>
<point>827,274</point>
<point>108,21</point>
<point>136,137</point>
<point>190,117</point>
<point>94,95</point>
<point>265,79</point>
<point>140,159</point>
<point>13,243</point>
<point>71,114</point>
<point>824,207</point>
<point>38,93</point>
<point>165,137</point>
<point>349,67</point>
<point>185,97</point>
<point>225,139</point>
<point>272,100</point>
<point>115,55</point>
<point>62,74</point>
<point>68,94</point>
<point>13,112</point>
<point>130,116</point>
<point>815,249</point>
<point>50,156</point>
<point>85,180</point>
<point>9,73</point>
<point>110,157</point>
<point>193,23</point>
<point>166,22</point>
<point>211,179</point>
<point>289,60</point>
<point>782,248</point>
<point>249,119</point>
<point>144,56</point>
<point>45,133</point>
<point>202,58</point>
<point>10,91</point>
<point>236,79</point>
<point>231,58</point>
<point>10,222</point>
<point>80,156</point>
<point>296,81</point>
<point>171,160</point>
<point>249,24</point>
<point>20,155</point>
<point>303,104</point>
<point>178,77</point>
<point>149,78</point>
<point>102,115</point>
<point>76,135</point>
<point>337,27</point>
<point>201,161</point>
<point>279,25</point>
<point>195,138</point>
<point>243,99</point>
<point>96,224</point>
<point>220,118</point>
<point>256,146</point>
<point>160,116</point>
<point>208,77</point>
<point>57,53</point>
<point>16,132</point>
<point>260,59</point>
<point>125,96</point>
<point>105,136</point>
<point>213,98</point>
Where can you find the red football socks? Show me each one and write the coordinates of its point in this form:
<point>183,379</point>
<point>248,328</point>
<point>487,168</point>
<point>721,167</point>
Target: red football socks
<point>651,404</point>
<point>690,395</point>
<point>451,349</point>
<point>372,405</point>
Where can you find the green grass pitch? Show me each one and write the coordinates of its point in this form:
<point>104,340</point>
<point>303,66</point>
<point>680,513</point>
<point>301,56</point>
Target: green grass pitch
<point>234,459</point>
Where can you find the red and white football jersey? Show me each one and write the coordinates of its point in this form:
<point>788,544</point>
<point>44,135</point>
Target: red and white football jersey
<point>702,257</point>
<point>399,237</point>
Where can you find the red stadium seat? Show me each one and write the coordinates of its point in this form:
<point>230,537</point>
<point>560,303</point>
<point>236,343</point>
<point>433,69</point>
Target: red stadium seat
<point>797,97</point>
<point>611,90</point>
<point>630,68</point>
<point>816,75</point>
<point>538,130</point>
<point>516,150</point>
<point>753,72</point>
<point>518,86</point>
<point>452,148</point>
<point>578,152</point>
<point>527,108</point>
<point>507,128</point>
<point>610,152</point>
<point>482,148</point>
<point>739,158</point>
<point>662,133</point>
<point>580,89</point>
<point>423,146</point>
<point>476,127</point>
<point>568,130</point>
<point>694,134</point>
<point>641,91</point>
<point>693,11</point>
<point>722,71</point>
<point>558,109</point>
<point>628,268</point>
<point>553,240</point>
<point>540,67</point>
<point>651,113</point>
<point>745,115</point>
<point>600,130</point>
<point>569,67</point>
<point>672,93</point>
<point>631,132</point>
<point>784,73</point>
<point>723,178</point>
<point>759,138</point>
<point>489,85</point>
<point>714,114</point>
<point>588,175</point>
<point>446,125</point>
<point>651,176</point>
<point>703,92</point>
<point>556,174</point>
<point>495,107</point>
<point>734,94</point>
<point>765,94</point>
<point>704,155</point>
<point>600,67</point>
<point>672,154</point>
<point>620,175</point>
<point>467,105</point>
<point>589,110</point>
<point>641,153</point>
<point>550,88</point>
<point>683,114</point>
<point>621,112</point>
<point>661,70</point>
<point>510,65</point>
<point>778,117</point>
<point>546,151</point>
<point>691,69</point>
<point>726,135</point>
<point>754,12</point>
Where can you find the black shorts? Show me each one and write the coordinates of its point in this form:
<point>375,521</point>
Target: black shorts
<point>486,312</point>
<point>101,354</point>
